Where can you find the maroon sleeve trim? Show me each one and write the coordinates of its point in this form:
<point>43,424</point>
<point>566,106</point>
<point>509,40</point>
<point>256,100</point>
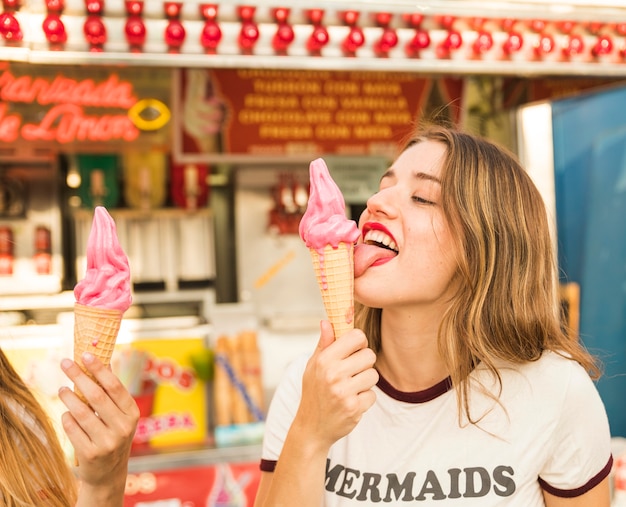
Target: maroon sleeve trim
<point>267,465</point>
<point>572,493</point>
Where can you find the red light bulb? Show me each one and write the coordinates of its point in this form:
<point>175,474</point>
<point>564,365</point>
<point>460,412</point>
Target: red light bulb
<point>483,43</point>
<point>421,40</point>
<point>382,19</point>
<point>208,11</point>
<point>283,37</point>
<point>508,24</point>
<point>94,7</point>
<point>388,40</point>
<point>594,27</point>
<point>246,12</point>
<point>544,45</point>
<point>575,46</point>
<point>603,46</point>
<point>315,16</point>
<point>414,20</point>
<point>353,41</point>
<point>452,42</point>
<point>350,17</point>
<point>11,5</point>
<point>55,6</point>
<point>174,35</point>
<point>95,32</point>
<point>54,29</point>
<point>537,25</point>
<point>318,39</point>
<point>10,29</point>
<point>172,9</point>
<point>133,7</point>
<point>248,36</point>
<point>135,32</point>
<point>281,14</point>
<point>211,36</point>
<point>446,21</point>
<point>566,26</point>
<point>513,43</point>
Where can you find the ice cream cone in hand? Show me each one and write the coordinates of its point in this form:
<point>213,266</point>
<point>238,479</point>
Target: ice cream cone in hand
<point>334,269</point>
<point>95,331</point>
<point>330,236</point>
<point>103,295</point>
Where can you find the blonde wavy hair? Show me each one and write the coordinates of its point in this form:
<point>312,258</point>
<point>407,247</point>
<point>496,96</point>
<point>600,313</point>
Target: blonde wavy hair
<point>33,470</point>
<point>506,307</point>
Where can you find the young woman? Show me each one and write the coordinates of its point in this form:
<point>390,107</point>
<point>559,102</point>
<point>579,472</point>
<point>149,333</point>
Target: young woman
<point>460,387</point>
<point>34,470</point>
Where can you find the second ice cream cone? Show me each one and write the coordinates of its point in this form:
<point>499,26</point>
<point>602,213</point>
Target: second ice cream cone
<point>334,269</point>
<point>95,331</point>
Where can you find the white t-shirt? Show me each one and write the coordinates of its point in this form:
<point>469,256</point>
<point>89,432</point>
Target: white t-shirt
<point>409,448</point>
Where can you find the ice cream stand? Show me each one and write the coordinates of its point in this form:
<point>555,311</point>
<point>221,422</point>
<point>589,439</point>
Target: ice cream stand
<point>283,84</point>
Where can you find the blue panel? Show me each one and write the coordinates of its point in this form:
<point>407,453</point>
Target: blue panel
<point>590,178</point>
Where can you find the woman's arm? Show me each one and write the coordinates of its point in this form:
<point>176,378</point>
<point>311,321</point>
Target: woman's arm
<point>336,391</point>
<point>101,434</point>
<point>599,496</point>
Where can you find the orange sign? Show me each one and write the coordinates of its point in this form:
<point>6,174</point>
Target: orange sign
<point>285,112</point>
<point>44,104</point>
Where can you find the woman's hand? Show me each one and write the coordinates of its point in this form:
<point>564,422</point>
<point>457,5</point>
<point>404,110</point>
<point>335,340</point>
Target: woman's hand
<point>101,432</point>
<point>336,386</point>
<point>336,391</point>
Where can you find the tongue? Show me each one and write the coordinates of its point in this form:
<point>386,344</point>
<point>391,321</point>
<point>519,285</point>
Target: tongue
<point>366,255</point>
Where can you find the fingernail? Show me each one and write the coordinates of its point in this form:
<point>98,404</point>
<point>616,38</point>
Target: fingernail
<point>87,357</point>
<point>66,363</point>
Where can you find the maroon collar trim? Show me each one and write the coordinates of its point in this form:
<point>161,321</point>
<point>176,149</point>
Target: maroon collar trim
<point>418,396</point>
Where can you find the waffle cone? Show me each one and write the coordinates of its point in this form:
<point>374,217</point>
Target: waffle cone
<point>95,331</point>
<point>334,269</point>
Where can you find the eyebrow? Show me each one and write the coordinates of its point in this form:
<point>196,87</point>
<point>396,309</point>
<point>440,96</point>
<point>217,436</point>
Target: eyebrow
<point>417,175</point>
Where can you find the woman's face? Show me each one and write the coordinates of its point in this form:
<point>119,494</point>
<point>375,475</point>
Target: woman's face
<point>406,255</point>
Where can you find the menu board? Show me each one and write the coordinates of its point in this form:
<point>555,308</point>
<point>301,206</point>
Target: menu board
<point>297,112</point>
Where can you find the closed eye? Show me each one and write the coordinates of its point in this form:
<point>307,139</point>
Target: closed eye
<point>421,200</point>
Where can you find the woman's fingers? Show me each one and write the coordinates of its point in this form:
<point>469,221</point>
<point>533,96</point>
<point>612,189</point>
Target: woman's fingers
<point>112,413</point>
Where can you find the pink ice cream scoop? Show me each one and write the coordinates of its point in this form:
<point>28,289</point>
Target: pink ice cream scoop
<point>107,281</point>
<point>325,222</point>
<point>330,236</point>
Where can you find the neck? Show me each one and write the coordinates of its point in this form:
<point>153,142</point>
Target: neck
<point>409,358</point>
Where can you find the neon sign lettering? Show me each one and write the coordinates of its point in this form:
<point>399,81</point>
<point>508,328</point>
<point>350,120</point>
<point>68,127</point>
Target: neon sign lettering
<point>68,120</point>
<point>66,123</point>
<point>62,90</point>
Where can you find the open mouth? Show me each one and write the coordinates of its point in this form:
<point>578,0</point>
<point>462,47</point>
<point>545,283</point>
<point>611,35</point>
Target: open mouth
<point>381,239</point>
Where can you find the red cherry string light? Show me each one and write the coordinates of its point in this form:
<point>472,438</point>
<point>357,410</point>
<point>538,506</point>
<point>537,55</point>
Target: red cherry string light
<point>135,28</point>
<point>52,26</point>
<point>284,35</point>
<point>10,29</point>
<point>544,45</point>
<point>575,45</point>
<point>513,43</point>
<point>452,42</point>
<point>175,33</point>
<point>388,38</point>
<point>355,38</point>
<point>249,33</point>
<point>603,46</point>
<point>94,29</point>
<point>421,38</point>
<point>319,36</point>
<point>483,42</point>
<point>211,34</point>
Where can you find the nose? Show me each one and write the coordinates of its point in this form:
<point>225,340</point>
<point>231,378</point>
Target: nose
<point>382,203</point>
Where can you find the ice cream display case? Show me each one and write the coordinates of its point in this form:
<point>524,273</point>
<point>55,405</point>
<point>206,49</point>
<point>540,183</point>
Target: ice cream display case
<point>31,257</point>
